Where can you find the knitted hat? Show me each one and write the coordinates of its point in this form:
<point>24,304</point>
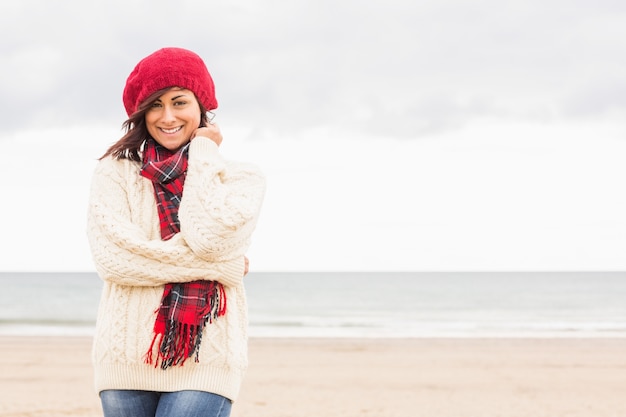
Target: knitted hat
<point>169,67</point>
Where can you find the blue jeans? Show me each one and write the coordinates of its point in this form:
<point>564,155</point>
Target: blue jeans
<point>128,403</point>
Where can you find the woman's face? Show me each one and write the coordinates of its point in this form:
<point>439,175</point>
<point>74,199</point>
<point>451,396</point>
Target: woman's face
<point>173,117</point>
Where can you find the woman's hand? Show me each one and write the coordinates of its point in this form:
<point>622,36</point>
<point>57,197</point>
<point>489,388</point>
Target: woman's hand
<point>247,268</point>
<point>211,131</point>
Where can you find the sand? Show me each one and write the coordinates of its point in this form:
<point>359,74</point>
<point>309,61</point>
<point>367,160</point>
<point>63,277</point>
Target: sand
<point>52,376</point>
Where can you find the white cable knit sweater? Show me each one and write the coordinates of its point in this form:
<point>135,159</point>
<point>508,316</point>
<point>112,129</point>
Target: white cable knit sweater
<point>218,213</point>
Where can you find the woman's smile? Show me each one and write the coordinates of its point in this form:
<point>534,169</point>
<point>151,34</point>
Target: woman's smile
<point>172,130</point>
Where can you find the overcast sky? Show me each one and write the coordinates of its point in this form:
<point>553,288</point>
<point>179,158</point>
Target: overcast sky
<point>396,135</point>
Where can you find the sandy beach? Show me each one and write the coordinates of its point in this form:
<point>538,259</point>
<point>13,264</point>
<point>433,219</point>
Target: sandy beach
<point>52,377</point>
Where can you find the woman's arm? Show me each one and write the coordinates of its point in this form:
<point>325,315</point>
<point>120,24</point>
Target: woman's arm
<point>123,252</point>
<point>221,203</point>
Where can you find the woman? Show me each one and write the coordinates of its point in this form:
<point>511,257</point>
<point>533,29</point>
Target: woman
<point>169,224</point>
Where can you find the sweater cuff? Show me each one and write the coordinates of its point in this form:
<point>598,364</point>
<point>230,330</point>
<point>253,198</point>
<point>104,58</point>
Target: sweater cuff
<point>233,272</point>
<point>204,149</point>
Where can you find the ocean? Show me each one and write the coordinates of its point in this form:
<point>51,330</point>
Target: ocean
<point>360,304</point>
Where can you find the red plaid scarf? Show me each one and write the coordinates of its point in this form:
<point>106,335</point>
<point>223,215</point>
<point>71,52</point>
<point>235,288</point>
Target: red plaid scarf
<point>185,307</point>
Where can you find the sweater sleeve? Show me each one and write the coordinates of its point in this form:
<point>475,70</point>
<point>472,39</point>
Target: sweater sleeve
<point>220,204</point>
<point>124,254</point>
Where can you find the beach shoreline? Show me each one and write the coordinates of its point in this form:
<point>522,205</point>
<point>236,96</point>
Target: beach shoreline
<point>52,376</point>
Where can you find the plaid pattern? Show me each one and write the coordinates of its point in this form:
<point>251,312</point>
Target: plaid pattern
<point>167,171</point>
<point>185,307</point>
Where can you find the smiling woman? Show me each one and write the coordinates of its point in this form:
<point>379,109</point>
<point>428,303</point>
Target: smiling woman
<point>171,264</point>
<point>156,99</point>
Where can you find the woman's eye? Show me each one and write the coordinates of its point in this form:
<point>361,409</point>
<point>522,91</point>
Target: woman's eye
<point>155,105</point>
<point>180,103</point>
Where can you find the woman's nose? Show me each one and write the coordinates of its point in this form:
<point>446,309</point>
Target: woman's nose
<point>168,114</point>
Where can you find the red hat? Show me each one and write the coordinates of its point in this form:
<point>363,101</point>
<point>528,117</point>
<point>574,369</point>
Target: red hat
<point>169,67</point>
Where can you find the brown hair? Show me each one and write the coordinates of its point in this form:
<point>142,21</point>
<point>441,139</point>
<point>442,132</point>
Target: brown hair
<point>129,146</point>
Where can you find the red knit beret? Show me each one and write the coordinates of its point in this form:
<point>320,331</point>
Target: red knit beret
<point>169,67</point>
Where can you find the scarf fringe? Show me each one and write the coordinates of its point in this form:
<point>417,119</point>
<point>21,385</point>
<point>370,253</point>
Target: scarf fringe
<point>178,341</point>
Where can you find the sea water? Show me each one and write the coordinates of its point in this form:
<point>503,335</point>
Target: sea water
<point>360,304</point>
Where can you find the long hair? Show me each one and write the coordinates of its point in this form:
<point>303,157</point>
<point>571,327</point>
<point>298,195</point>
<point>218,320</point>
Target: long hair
<point>129,146</point>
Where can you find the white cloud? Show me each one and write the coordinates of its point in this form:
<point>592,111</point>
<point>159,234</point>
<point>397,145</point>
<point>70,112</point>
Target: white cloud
<point>24,67</point>
<point>491,196</point>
